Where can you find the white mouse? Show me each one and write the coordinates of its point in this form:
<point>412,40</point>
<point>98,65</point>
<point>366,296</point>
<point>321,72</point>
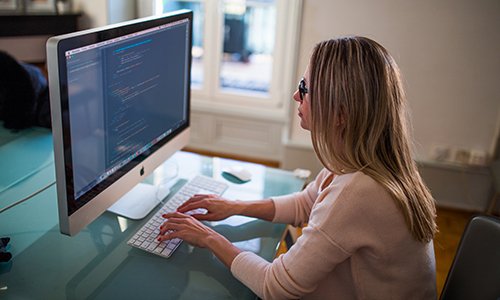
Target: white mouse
<point>239,172</point>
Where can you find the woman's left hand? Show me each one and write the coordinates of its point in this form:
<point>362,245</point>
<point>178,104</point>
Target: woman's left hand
<point>186,227</point>
<point>182,226</point>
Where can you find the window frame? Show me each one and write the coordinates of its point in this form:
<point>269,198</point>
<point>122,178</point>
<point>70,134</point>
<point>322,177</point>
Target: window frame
<point>210,98</point>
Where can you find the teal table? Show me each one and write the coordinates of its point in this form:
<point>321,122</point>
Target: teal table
<point>97,263</point>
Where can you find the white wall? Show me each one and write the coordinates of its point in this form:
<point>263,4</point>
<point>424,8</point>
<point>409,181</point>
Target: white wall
<point>96,13</point>
<point>121,10</point>
<point>449,53</point>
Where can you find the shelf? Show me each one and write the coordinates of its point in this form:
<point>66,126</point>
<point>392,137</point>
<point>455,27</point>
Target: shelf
<point>483,170</point>
<point>14,25</point>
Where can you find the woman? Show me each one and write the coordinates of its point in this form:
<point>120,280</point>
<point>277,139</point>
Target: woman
<point>371,220</point>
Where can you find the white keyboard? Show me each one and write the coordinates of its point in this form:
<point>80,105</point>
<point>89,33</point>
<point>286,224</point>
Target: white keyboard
<point>146,237</point>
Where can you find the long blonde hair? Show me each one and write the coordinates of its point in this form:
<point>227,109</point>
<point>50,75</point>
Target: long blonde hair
<point>359,123</point>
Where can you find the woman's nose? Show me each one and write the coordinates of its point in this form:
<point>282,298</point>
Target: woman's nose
<point>296,96</point>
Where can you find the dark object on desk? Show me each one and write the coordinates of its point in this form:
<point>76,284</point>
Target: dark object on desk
<point>232,178</point>
<point>24,95</point>
<point>475,271</point>
<point>4,255</point>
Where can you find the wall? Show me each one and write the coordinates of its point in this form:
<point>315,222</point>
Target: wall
<point>448,52</point>
<point>25,48</point>
<point>121,10</point>
<point>98,13</point>
<point>94,13</point>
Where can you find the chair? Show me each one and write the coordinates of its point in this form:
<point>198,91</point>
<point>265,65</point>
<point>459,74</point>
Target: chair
<point>495,175</point>
<point>475,271</point>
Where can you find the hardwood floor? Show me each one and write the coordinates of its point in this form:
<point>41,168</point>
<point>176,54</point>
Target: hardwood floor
<point>451,224</point>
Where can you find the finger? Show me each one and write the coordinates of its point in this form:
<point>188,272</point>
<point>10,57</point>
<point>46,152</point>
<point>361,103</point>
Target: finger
<point>167,226</point>
<point>172,221</point>
<point>179,221</point>
<point>188,202</point>
<point>191,206</point>
<point>172,224</point>
<point>169,236</point>
<point>202,217</point>
<point>174,215</point>
<point>201,196</point>
<point>193,199</point>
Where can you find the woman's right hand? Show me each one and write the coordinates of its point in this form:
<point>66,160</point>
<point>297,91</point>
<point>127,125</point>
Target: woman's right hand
<point>217,207</point>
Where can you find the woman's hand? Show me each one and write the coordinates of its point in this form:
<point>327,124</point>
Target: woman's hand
<point>217,207</point>
<point>192,231</point>
<point>185,227</point>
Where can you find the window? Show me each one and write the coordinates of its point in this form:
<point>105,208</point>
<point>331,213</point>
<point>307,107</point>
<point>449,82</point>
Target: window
<point>239,56</point>
<point>197,6</point>
<point>248,43</point>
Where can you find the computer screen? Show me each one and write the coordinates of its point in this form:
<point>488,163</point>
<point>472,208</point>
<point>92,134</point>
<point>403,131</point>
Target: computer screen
<point>120,100</point>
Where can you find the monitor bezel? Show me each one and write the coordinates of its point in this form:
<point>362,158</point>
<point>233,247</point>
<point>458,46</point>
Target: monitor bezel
<point>95,201</point>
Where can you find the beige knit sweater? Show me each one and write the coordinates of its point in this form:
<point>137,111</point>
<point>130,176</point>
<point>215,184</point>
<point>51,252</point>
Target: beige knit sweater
<point>356,246</point>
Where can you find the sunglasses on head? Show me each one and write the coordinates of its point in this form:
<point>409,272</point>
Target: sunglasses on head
<point>302,89</point>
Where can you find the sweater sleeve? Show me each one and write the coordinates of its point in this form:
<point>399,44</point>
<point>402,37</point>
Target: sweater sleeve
<point>315,254</point>
<point>295,208</point>
<point>293,274</point>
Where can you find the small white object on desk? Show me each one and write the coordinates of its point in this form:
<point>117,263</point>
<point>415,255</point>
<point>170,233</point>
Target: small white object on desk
<point>239,172</point>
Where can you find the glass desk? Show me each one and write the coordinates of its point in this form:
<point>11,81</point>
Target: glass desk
<point>97,263</point>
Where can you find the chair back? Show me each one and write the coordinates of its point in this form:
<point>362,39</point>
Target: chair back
<point>475,271</point>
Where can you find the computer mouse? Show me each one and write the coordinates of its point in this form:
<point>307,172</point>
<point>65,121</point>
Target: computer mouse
<point>238,172</point>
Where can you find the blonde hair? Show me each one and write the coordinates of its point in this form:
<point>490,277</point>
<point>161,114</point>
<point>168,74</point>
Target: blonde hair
<point>359,123</point>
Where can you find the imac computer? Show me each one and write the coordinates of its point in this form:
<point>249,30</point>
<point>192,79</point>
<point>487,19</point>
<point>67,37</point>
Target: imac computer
<point>120,103</point>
